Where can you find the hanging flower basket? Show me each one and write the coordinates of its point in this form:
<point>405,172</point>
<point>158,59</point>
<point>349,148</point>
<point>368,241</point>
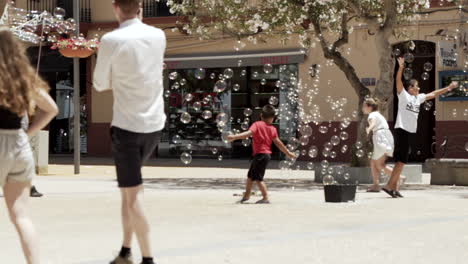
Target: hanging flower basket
<point>76,53</point>
<point>76,47</point>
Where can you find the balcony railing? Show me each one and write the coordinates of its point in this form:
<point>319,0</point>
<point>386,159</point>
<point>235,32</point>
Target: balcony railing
<point>50,5</point>
<point>151,8</point>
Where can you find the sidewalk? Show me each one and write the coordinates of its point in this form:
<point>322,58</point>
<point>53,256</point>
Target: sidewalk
<point>79,223</point>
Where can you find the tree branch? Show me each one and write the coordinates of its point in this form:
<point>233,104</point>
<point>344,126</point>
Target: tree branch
<point>342,63</point>
<point>344,32</point>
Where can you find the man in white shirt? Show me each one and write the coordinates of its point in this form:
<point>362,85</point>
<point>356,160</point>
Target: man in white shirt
<point>409,103</point>
<point>130,63</point>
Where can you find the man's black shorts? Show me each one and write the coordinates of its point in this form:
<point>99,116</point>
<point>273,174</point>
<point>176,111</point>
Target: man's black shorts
<point>258,167</point>
<point>130,151</point>
<point>402,145</point>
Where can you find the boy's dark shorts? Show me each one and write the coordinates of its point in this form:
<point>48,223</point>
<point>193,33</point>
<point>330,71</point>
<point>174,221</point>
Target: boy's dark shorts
<point>130,151</point>
<point>258,167</point>
<point>402,145</point>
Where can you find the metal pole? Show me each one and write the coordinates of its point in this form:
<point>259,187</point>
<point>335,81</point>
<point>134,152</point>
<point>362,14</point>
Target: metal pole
<point>76,94</point>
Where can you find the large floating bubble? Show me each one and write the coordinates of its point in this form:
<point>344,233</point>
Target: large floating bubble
<point>228,73</point>
<point>200,73</point>
<point>328,180</point>
<point>220,86</point>
<point>186,158</point>
<point>185,118</point>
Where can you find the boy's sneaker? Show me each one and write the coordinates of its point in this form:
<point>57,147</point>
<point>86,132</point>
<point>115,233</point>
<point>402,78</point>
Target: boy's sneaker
<point>121,260</point>
<point>263,201</point>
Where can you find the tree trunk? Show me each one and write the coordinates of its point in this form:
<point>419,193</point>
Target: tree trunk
<point>384,89</point>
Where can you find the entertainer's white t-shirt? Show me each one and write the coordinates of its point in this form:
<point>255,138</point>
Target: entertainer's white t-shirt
<point>408,111</point>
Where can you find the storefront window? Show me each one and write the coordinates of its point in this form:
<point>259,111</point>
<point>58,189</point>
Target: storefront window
<point>195,97</point>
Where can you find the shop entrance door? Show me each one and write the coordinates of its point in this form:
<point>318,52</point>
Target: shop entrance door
<point>424,52</point>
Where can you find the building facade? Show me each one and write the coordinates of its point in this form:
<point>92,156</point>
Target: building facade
<point>251,87</point>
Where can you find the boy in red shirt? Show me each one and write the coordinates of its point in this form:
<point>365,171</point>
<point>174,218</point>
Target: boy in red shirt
<point>263,134</point>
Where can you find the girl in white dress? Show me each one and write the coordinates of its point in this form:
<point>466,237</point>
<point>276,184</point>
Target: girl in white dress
<point>382,140</point>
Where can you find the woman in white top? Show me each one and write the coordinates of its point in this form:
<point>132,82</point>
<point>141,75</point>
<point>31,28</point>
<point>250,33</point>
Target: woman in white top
<point>382,140</point>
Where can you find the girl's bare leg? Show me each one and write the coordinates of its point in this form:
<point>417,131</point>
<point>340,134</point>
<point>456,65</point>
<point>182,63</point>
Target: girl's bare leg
<point>17,201</point>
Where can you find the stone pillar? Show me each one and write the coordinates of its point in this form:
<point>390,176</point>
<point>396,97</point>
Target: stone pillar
<point>40,146</point>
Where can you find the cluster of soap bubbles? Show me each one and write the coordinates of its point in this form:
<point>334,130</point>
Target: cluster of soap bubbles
<point>34,26</point>
<point>199,112</point>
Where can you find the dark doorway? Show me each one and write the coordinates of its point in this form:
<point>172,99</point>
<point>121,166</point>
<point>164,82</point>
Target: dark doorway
<point>58,70</point>
<point>421,143</point>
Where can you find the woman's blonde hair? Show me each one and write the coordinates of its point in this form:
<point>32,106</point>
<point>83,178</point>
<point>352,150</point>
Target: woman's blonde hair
<point>18,79</point>
<point>372,103</point>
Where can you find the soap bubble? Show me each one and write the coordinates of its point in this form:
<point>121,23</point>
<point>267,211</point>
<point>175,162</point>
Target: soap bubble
<point>359,145</point>
<point>243,72</point>
<point>347,176</point>
<point>207,99</point>
<point>246,142</point>
<point>268,68</point>
<point>197,106</point>
<point>228,73</point>
<point>245,126</point>
<point>304,140</point>
<point>428,66</point>
<point>225,135</point>
<point>273,100</point>
<point>333,154</point>
<point>428,105</point>
<point>213,76</point>
<point>284,165</point>
<point>360,153</point>
<point>236,87</point>
<point>185,118</point>
<point>339,170</point>
<point>293,144</point>
<point>335,140</point>
<point>214,151</point>
<point>220,157</point>
<point>306,130</point>
<point>186,158</point>
<point>59,13</point>
<point>200,73</point>
<point>344,135</point>
<point>239,45</point>
<point>323,129</point>
<point>222,118</point>
<point>328,180</point>
<point>328,146</point>
<point>425,76</point>
<point>248,112</point>
<point>313,152</point>
<point>220,86</point>
<point>207,114</point>
<point>167,93</point>
<point>310,165</point>
<point>263,81</point>
<point>176,139</point>
<point>325,164</point>
<point>189,97</point>
<point>173,75</point>
<point>254,74</point>
<point>183,82</point>
<point>409,57</point>
<point>408,73</point>
<point>344,149</point>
